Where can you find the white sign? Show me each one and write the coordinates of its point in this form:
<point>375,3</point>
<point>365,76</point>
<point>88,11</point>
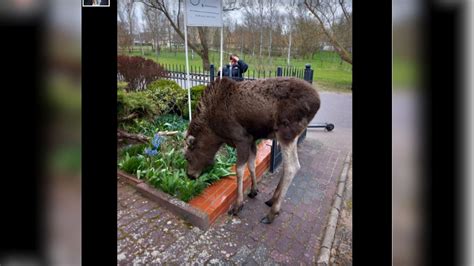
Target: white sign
<point>206,13</point>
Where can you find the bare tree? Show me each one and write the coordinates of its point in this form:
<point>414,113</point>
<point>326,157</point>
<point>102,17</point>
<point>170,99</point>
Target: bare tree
<point>155,25</point>
<point>202,49</point>
<point>261,16</point>
<point>307,34</point>
<point>271,20</point>
<point>127,18</point>
<point>125,40</point>
<point>329,13</point>
<point>290,21</point>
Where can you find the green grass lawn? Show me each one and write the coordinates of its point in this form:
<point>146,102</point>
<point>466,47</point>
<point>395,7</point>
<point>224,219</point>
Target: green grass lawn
<point>330,72</point>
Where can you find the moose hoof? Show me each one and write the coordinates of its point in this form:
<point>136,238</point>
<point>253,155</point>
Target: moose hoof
<point>269,218</point>
<point>236,209</point>
<point>253,193</point>
<point>269,203</point>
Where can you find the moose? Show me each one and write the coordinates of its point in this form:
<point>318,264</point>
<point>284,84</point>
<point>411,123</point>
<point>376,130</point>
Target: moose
<point>239,114</point>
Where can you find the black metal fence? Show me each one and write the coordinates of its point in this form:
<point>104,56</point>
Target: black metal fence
<point>198,76</point>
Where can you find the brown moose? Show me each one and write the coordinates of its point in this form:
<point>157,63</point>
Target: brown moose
<point>240,113</point>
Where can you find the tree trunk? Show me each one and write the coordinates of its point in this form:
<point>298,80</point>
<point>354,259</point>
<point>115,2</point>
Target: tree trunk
<point>241,43</point>
<point>253,47</point>
<point>205,48</point>
<point>270,46</point>
<point>169,37</point>
<point>158,48</point>
<point>205,61</point>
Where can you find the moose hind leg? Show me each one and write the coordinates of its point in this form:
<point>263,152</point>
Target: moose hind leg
<point>276,194</point>
<point>242,157</point>
<point>290,168</point>
<point>251,165</point>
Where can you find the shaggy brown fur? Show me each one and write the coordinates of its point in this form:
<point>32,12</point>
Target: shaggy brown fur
<point>258,108</point>
<point>239,113</point>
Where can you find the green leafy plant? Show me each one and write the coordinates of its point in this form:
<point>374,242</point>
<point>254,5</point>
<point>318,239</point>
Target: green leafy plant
<point>131,164</point>
<point>165,168</point>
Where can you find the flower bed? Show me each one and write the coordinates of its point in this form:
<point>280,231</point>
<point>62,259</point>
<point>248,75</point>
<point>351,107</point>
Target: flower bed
<point>162,163</point>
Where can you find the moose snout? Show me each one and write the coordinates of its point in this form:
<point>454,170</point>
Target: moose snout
<point>191,176</point>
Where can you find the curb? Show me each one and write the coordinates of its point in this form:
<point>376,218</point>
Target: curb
<point>325,250</point>
<point>176,206</point>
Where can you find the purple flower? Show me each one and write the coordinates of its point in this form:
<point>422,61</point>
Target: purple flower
<point>156,141</point>
<point>151,152</point>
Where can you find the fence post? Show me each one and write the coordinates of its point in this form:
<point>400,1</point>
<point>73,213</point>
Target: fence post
<point>279,71</point>
<point>211,72</point>
<point>311,76</point>
<point>307,73</point>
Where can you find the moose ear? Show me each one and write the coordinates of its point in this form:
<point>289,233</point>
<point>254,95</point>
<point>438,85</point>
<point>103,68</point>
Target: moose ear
<point>190,140</point>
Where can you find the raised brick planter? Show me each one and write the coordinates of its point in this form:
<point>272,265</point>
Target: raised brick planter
<point>214,201</point>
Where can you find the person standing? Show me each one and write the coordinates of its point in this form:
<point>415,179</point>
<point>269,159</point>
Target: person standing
<point>235,69</point>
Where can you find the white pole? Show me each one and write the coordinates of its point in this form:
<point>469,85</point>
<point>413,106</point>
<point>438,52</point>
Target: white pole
<point>222,41</point>
<point>187,61</point>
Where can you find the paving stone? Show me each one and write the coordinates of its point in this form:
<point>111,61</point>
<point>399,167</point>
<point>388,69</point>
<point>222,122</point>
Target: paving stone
<point>260,255</point>
<point>279,257</point>
<point>241,255</point>
<point>250,262</point>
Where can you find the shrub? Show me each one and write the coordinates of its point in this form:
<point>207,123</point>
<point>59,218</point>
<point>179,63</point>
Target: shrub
<point>138,71</point>
<point>122,85</point>
<point>196,93</point>
<point>169,96</point>
<point>135,102</point>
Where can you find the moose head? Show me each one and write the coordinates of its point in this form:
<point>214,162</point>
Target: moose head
<point>199,153</point>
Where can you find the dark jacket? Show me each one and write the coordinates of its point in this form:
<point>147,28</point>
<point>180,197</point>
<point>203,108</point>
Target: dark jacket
<point>104,2</point>
<point>88,2</point>
<point>237,70</point>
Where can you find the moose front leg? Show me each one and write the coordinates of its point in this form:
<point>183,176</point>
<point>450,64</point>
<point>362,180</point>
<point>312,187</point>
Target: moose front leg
<point>242,157</point>
<point>251,165</point>
<point>290,168</point>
